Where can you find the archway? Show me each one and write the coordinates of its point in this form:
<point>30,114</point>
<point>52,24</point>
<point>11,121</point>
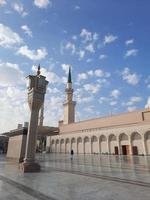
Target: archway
<point>79,145</point>
<point>87,145</point>
<point>124,144</point>
<point>147,142</point>
<point>113,146</point>
<point>103,144</point>
<point>136,140</point>
<point>95,144</point>
<point>67,146</point>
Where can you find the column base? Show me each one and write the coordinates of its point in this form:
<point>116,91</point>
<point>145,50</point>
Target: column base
<point>30,167</point>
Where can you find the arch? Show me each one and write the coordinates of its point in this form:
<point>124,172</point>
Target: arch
<point>113,145</point>
<point>57,146</point>
<point>73,144</point>
<point>123,137</point>
<point>67,144</point>
<point>62,146</point>
<point>124,144</point>
<point>94,144</point>
<point>136,141</point>
<point>79,145</point>
<point>147,142</point>
<point>103,144</point>
<point>87,145</point>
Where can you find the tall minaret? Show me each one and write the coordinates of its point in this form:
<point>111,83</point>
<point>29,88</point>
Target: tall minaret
<point>69,105</point>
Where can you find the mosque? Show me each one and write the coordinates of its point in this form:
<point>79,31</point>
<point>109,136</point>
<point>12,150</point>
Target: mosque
<point>126,134</point>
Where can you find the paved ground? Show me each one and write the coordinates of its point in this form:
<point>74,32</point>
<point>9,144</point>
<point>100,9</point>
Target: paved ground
<point>86,178</point>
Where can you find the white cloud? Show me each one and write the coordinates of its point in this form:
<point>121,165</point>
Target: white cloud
<point>8,38</point>
<point>115,93</point>
<point>102,56</point>
<point>50,76</point>
<point>95,36</point>
<point>86,35</point>
<point>84,99</point>
<point>71,46</point>
<point>148,103</point>
<point>81,54</point>
<point>27,30</point>
<point>128,42</point>
<point>91,88</point>
<point>131,108</point>
<point>89,60</point>
<point>3,2</point>
<point>77,7</point>
<point>53,90</point>
<point>101,73</point>
<point>131,52</point>
<point>113,103</point>
<point>130,78</point>
<point>65,67</point>
<point>74,37</point>
<point>38,54</point>
<point>90,73</point>
<point>13,102</point>
<point>97,73</point>
<point>90,48</point>
<point>18,7</point>
<point>103,100</point>
<point>132,101</point>
<point>82,76</point>
<point>11,75</point>
<point>107,100</point>
<point>109,39</point>
<point>42,3</point>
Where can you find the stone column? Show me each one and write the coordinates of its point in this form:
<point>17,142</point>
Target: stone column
<point>144,146</point>
<point>130,145</point>
<point>119,146</point>
<point>31,137</point>
<point>108,146</point>
<point>99,143</point>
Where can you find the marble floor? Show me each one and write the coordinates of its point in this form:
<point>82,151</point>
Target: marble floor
<point>86,177</point>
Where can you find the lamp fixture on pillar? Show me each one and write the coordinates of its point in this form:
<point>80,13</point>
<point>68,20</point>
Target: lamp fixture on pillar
<point>36,85</point>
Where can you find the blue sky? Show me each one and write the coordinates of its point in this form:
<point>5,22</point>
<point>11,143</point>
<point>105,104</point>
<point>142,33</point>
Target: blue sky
<point>106,42</point>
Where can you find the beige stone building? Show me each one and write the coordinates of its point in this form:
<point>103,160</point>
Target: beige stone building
<point>127,133</point>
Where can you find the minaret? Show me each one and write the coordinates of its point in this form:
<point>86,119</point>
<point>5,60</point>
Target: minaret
<point>69,105</point>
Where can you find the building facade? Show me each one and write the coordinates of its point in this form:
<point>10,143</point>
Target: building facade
<point>127,133</point>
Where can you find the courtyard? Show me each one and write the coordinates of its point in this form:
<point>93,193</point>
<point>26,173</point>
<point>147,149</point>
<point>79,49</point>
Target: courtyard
<point>86,177</point>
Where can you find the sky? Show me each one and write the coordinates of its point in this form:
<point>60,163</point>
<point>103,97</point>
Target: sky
<point>107,43</point>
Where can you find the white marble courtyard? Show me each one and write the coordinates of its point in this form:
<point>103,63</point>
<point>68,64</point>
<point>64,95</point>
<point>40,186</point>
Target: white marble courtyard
<point>89,177</point>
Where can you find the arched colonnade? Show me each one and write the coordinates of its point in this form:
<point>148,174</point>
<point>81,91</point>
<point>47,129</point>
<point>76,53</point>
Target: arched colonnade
<point>133,143</point>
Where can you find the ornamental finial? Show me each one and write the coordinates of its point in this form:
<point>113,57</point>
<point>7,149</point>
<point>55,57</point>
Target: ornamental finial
<point>69,75</point>
<point>38,71</point>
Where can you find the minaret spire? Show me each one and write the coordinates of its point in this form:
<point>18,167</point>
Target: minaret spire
<point>69,75</point>
<point>38,71</point>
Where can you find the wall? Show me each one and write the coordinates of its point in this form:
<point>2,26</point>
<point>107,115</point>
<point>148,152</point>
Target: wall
<point>16,147</point>
<point>122,120</point>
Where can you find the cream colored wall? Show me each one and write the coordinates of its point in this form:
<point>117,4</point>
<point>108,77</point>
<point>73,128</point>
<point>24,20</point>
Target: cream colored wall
<point>16,147</point>
<point>122,120</point>
<point>106,146</point>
